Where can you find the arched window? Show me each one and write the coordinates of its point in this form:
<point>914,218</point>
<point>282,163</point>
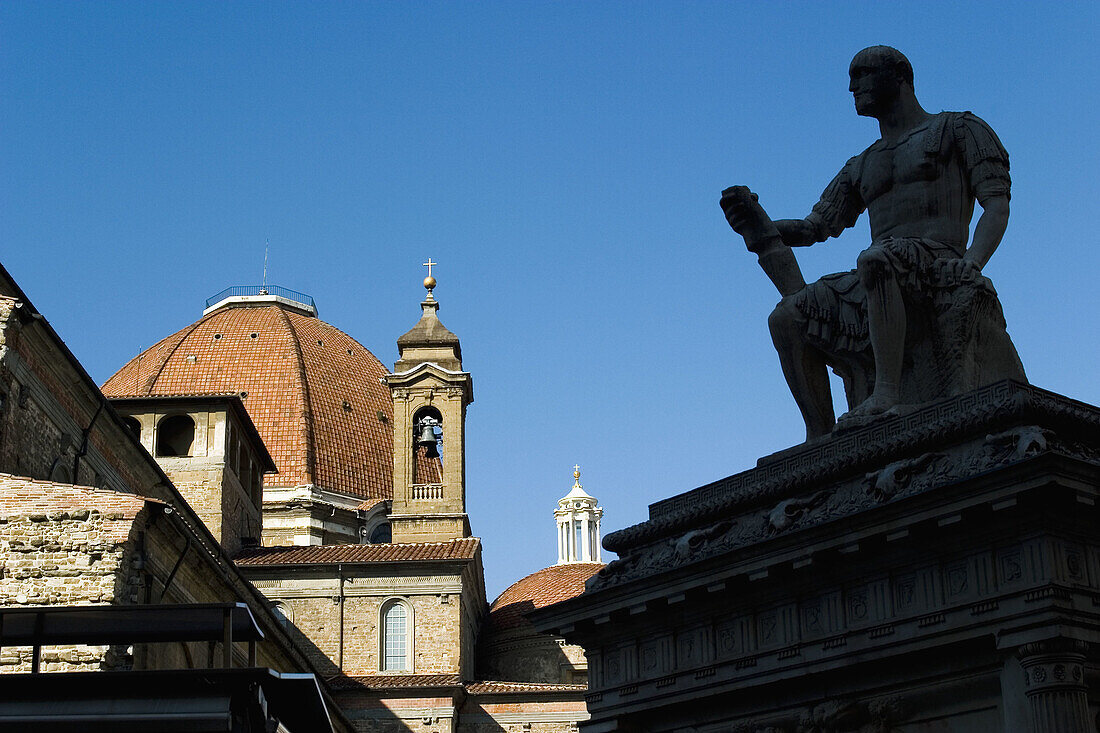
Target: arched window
<point>381,534</point>
<point>257,486</point>
<point>232,448</point>
<point>427,446</point>
<point>59,472</point>
<point>134,426</point>
<point>175,436</point>
<point>396,637</point>
<point>282,612</point>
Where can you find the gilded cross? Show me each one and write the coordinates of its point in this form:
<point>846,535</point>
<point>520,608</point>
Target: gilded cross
<point>429,264</point>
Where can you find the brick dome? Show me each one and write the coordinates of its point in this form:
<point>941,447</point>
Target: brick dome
<point>313,392</point>
<point>549,585</point>
<point>512,650</point>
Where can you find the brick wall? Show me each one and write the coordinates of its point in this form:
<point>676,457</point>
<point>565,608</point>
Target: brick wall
<point>216,495</point>
<point>522,713</point>
<point>316,616</point>
<point>65,545</point>
<point>528,656</point>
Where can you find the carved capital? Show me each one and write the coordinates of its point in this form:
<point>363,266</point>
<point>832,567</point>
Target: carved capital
<point>1054,682</point>
<point>1057,664</point>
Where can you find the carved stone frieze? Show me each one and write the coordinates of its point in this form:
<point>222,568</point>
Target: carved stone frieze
<point>931,428</point>
<point>831,716</point>
<point>896,480</point>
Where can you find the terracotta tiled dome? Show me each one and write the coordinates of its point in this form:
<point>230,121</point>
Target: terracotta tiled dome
<point>549,585</point>
<point>512,650</point>
<point>312,391</point>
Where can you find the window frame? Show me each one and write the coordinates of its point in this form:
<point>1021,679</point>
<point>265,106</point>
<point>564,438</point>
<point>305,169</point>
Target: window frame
<point>383,610</point>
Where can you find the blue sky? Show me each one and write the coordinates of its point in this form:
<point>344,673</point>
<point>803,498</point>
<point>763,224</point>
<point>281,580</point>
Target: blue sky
<point>562,162</point>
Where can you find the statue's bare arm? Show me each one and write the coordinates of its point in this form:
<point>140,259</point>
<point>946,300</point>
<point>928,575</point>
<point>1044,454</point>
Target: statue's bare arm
<point>797,232</point>
<point>989,230</point>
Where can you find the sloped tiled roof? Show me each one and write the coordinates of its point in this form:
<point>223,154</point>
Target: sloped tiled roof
<point>549,585</point>
<point>461,549</point>
<point>511,688</point>
<point>313,392</point>
<point>393,681</point>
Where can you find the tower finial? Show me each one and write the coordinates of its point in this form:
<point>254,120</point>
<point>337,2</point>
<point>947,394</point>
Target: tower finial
<point>576,476</point>
<point>429,281</point>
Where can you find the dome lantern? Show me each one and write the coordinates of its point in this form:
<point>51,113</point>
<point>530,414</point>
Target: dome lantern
<point>578,518</point>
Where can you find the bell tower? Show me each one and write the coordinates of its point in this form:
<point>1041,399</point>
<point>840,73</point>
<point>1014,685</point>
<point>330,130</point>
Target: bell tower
<point>430,394</point>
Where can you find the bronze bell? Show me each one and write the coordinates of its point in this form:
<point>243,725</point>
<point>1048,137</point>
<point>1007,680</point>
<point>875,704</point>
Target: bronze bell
<point>428,437</point>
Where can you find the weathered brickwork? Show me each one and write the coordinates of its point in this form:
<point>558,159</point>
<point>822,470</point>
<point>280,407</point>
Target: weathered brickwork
<point>534,657</point>
<point>215,493</point>
<point>315,611</point>
<point>30,443</point>
<point>33,394</point>
<point>64,545</point>
<point>372,711</point>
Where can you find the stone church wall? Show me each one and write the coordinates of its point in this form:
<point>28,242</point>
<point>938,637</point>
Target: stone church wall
<point>62,545</point>
<point>216,495</point>
<point>65,544</point>
<point>313,605</point>
<point>381,712</point>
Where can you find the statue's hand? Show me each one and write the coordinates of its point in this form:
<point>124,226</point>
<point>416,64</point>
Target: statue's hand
<point>746,216</point>
<point>956,271</point>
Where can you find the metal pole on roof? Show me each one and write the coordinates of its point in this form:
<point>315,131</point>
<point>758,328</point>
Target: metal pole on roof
<point>267,246</point>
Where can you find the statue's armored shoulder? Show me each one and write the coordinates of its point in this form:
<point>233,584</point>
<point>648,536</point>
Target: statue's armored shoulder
<point>981,152</point>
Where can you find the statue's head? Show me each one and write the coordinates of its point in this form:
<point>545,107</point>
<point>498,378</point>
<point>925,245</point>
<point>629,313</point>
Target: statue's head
<point>878,74</point>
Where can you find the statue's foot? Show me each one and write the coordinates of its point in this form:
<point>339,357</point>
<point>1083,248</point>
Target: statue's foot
<point>871,409</point>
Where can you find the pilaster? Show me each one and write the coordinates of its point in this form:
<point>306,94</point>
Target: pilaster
<point>1057,695</point>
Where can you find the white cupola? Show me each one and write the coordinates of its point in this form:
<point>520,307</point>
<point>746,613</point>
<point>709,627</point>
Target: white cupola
<point>578,520</point>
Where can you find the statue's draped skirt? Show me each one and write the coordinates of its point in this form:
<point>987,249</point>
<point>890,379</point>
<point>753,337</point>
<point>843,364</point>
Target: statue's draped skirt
<point>835,306</point>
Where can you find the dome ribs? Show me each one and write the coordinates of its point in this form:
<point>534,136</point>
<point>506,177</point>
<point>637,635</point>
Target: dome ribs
<point>296,390</point>
<point>307,431</point>
<point>151,382</point>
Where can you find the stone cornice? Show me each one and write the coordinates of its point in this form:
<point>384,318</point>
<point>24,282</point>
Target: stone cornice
<point>930,427</point>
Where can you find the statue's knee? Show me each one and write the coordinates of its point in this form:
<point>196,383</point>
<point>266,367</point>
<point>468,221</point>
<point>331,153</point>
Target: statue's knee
<point>872,265</point>
<point>784,317</point>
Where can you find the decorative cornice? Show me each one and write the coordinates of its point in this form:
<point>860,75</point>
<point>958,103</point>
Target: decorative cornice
<point>939,424</point>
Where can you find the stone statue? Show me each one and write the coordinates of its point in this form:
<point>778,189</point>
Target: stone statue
<point>916,320</point>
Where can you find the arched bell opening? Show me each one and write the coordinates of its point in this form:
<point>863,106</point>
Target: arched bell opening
<point>427,446</point>
<point>175,436</point>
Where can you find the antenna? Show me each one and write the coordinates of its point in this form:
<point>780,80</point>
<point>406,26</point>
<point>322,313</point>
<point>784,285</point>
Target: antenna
<point>267,246</point>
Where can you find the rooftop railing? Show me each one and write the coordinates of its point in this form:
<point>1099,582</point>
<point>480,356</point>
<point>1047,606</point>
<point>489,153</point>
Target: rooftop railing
<point>237,291</point>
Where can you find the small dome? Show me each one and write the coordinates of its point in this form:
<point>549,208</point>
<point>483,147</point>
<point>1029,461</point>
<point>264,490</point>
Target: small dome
<point>549,585</point>
<point>512,650</point>
<point>313,392</point>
